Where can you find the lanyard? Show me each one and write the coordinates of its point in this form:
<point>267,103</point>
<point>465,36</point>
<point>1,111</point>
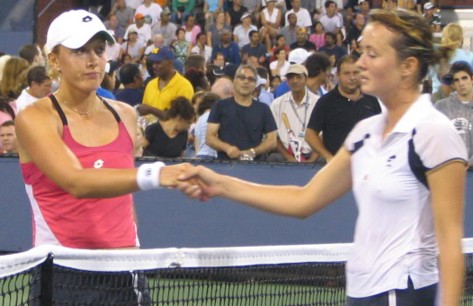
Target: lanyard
<point>305,110</point>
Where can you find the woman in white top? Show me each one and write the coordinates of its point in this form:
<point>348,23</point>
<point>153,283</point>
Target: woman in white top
<point>280,65</point>
<point>271,23</point>
<point>406,168</point>
<point>242,31</point>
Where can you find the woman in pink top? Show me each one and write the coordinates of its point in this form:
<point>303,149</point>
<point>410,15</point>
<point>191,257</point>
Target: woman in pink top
<point>318,37</point>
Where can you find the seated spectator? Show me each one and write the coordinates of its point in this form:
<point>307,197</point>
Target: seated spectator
<point>331,20</point>
<point>168,136</point>
<point>14,77</point>
<point>201,48</point>
<point>39,86</point>
<point>303,17</point>
<point>165,27</point>
<point>223,87</point>
<point>182,47</point>
<point>7,109</point>
<point>302,41</point>
<point>332,49</point>
<point>234,13</point>
<point>211,8</point>
<point>112,24</point>
<point>263,93</point>
<point>214,29</point>
<point>192,30</point>
<point>197,79</point>
<point>203,151</point>
<point>228,48</point>
<point>219,59</point>
<point>241,127</point>
<point>280,44</point>
<point>432,17</point>
<point>151,11</point>
<point>389,4</point>
<point>142,29</point>
<point>318,36</point>
<point>280,66</point>
<point>158,42</point>
<point>33,54</point>
<point>109,81</point>
<point>271,18</point>
<point>8,138</point>
<point>180,9</point>
<point>132,81</point>
<point>354,33</point>
<point>241,33</point>
<point>254,48</point>
<point>290,30</point>
<point>133,47</point>
<point>123,13</point>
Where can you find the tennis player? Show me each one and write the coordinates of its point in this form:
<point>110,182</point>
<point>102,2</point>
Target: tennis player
<point>406,167</point>
<point>76,149</point>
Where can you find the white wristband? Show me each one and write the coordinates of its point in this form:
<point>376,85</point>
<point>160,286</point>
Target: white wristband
<point>147,176</point>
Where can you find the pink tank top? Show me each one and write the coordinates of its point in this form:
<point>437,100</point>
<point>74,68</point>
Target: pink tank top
<point>61,219</point>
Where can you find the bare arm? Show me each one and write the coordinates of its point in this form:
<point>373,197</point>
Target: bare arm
<point>330,183</point>
<point>447,185</point>
<point>44,146</point>
<point>313,140</point>
<point>212,140</point>
<point>269,143</point>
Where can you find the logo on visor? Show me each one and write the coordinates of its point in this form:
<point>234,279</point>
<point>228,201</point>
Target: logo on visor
<point>87,19</point>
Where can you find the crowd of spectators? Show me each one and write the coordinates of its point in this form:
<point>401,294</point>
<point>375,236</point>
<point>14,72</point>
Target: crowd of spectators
<point>185,64</point>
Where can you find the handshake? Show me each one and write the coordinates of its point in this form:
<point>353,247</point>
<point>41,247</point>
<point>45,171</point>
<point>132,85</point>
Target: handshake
<point>197,182</point>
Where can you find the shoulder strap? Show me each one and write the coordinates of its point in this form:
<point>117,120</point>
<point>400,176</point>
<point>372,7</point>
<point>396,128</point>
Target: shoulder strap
<point>111,109</point>
<point>58,109</point>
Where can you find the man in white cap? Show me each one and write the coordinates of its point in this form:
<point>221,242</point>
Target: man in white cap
<point>432,17</point>
<point>291,112</point>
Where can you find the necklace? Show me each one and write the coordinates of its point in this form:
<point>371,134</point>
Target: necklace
<point>85,114</point>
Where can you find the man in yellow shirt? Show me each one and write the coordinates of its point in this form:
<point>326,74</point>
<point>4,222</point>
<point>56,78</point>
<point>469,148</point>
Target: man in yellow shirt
<point>167,85</point>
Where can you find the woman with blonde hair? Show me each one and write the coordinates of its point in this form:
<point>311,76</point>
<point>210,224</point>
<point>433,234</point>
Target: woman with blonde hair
<point>450,50</point>
<point>14,77</point>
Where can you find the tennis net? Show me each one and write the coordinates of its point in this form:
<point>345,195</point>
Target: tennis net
<point>266,275</point>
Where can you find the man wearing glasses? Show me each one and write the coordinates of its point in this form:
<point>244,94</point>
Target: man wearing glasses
<point>240,127</point>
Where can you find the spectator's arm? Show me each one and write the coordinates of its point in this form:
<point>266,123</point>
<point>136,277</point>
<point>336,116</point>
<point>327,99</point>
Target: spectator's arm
<point>283,150</point>
<point>212,140</point>
<point>190,7</point>
<point>315,142</point>
<point>268,144</point>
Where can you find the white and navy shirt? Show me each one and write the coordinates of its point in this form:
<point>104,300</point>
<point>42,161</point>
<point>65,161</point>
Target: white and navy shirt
<point>394,234</point>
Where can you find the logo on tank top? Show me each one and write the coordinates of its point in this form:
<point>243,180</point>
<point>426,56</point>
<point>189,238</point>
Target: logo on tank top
<point>98,164</point>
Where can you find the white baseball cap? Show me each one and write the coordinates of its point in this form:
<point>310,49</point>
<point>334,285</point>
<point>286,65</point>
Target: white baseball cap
<point>74,28</point>
<point>298,56</point>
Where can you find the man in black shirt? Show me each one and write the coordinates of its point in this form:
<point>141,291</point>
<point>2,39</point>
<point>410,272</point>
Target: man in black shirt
<point>337,112</point>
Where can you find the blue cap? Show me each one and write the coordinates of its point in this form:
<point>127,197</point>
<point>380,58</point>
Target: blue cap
<point>161,54</point>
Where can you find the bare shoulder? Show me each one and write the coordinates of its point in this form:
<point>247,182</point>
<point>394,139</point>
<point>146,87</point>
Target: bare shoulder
<point>40,111</point>
<point>128,115</point>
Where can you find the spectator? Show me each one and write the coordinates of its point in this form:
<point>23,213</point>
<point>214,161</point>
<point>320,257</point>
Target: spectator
<point>112,24</point>
<point>123,12</point>
<point>141,28</point>
<point>228,48</point>
<point>201,48</point>
<point>182,47</point>
<point>192,30</point>
<point>223,87</point>
<point>389,4</point>
<point>331,20</point>
<point>280,66</point>
<point>296,56</point>
<point>211,8</point>
<point>280,44</point>
<point>109,81</point>
<point>165,27</point>
<point>197,79</point>
<point>303,17</point>
<point>240,127</point>
<point>271,18</point>
<point>254,48</point>
<point>354,33</point>
<point>203,151</point>
<point>8,138</point>
<point>151,11</point>
<point>7,109</point>
<point>168,137</point>
<point>158,42</point>
<point>241,33</point>
<point>234,13</point>
<point>219,59</point>
<point>132,81</point>
<point>215,29</point>
<point>302,41</point>
<point>180,9</point>
<point>432,17</point>
<point>337,112</point>
<point>318,36</point>
<point>458,107</point>
<point>364,7</point>
<point>333,51</point>
<point>168,84</point>
<point>290,30</point>
<point>263,94</point>
<point>39,86</point>
<point>33,54</point>
<point>196,61</point>
<point>14,77</point>
<point>133,47</point>
<point>296,106</point>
